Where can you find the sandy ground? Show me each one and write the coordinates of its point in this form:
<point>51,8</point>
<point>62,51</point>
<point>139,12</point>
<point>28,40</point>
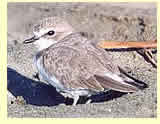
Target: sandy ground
<point>28,97</point>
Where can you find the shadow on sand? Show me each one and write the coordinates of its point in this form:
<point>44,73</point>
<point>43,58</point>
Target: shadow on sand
<point>40,94</point>
<point>34,92</point>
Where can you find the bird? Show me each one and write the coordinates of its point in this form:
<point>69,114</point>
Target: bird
<point>72,63</point>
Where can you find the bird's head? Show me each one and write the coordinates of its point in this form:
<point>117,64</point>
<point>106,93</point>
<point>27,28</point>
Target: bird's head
<point>49,31</point>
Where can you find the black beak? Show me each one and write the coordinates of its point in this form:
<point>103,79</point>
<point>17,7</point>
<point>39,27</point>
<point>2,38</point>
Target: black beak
<point>30,40</point>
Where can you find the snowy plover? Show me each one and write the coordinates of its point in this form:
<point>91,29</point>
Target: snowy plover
<point>71,63</point>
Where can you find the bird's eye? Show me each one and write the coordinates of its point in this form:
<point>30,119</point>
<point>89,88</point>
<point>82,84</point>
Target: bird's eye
<point>51,32</point>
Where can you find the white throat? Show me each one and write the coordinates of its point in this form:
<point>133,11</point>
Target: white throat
<point>43,43</point>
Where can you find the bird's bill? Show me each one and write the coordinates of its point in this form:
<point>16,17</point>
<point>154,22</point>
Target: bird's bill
<point>30,40</point>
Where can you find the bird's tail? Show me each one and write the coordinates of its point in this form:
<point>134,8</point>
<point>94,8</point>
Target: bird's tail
<point>117,83</point>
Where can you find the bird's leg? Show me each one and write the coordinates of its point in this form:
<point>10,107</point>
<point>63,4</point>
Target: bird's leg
<point>88,101</point>
<point>75,99</point>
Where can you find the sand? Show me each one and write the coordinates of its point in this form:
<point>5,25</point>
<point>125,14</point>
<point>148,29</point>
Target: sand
<point>28,97</point>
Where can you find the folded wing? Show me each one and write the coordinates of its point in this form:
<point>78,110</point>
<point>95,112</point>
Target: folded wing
<point>83,70</point>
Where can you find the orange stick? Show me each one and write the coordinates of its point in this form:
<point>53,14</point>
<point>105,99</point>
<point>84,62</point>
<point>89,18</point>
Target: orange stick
<point>128,44</point>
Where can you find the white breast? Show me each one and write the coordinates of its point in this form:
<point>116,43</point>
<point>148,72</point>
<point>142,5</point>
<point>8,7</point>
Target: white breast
<point>43,43</point>
<point>50,79</point>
